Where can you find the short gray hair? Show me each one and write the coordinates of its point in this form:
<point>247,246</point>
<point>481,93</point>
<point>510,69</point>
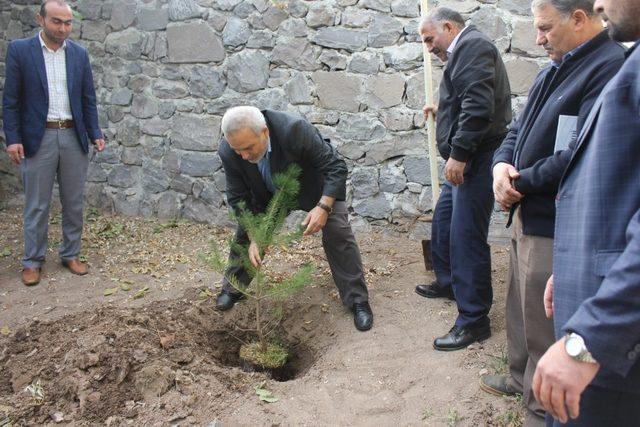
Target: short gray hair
<point>242,117</point>
<point>566,7</point>
<point>442,14</point>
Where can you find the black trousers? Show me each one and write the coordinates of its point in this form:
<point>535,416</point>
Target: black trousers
<point>342,253</point>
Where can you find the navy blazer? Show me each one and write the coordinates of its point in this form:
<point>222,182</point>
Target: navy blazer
<point>25,102</point>
<point>596,256</point>
<point>293,140</point>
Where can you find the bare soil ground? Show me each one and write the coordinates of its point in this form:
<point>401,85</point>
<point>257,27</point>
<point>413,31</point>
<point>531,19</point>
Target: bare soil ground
<point>138,341</point>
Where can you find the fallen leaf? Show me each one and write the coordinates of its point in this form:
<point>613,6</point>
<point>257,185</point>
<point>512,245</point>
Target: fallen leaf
<point>110,291</point>
<point>5,330</point>
<point>142,292</point>
<point>167,340</point>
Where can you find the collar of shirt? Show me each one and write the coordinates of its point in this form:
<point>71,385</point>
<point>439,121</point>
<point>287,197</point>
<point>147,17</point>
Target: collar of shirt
<point>42,43</point>
<point>453,44</point>
<point>569,55</point>
<point>632,48</point>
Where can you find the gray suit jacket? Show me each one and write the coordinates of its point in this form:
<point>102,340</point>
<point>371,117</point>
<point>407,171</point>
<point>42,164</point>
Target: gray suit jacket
<point>293,140</point>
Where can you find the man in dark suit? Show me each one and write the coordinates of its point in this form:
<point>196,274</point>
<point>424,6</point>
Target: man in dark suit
<point>591,375</point>
<point>258,144</point>
<point>473,112</point>
<point>527,170</point>
<point>50,115</point>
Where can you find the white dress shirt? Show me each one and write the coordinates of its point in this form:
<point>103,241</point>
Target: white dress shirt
<point>56,66</point>
<point>454,42</point>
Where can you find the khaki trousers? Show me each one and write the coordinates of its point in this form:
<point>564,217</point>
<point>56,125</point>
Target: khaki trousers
<point>529,332</point>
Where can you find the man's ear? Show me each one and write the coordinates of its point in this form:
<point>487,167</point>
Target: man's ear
<point>265,131</point>
<point>579,18</point>
<point>39,19</point>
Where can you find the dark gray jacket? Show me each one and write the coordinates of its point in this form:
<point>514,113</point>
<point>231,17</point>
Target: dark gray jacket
<point>474,108</point>
<point>293,140</point>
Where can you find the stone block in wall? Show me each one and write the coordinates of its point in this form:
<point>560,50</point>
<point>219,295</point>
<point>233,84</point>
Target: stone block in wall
<point>154,147</point>
<point>520,7</point>
<point>244,10</point>
<point>364,182</point>
<point>226,5</point>
<point>321,14</point>
<point>397,119</point>
<point>338,90</point>
<point>198,164</point>
<point>297,8</point>
<point>352,150</point>
<point>274,98</point>
<point>521,74</point>
<point>405,8</point>
<point>523,41</point>
<point>180,10</point>
<point>122,96</point>
<point>123,14</point>
<point>96,31</point>
<point>360,127</point>
<point>366,62</point>
<point>392,178</point>
<point>240,79</point>
<point>341,38</point>
<point>278,77</point>
<point>197,133</point>
<point>464,6</point>
<point>154,178</point>
<point>199,211</point>
<point>404,206</point>
<point>123,176</point>
<point>127,44</point>
<point>379,5</point>
<point>126,203</point>
<point>236,32</point>
<point>273,17</point>
<point>96,173</point>
<point>262,39</point>
<point>169,205</point>
<point>298,89</point>
<point>220,180</point>
<point>167,89</point>
<point>333,59</point>
<point>194,42</point>
<point>384,31</point>
<point>384,90</point>
<point>490,21</point>
<point>425,201</point>
<point>90,9</point>
<point>155,126</point>
<point>378,206</point>
<point>294,27</point>
<point>139,83</point>
<point>217,20</point>
<point>166,109</point>
<point>153,19</point>
<point>144,107</point>
<point>296,53</point>
<point>417,169</point>
<point>128,132</point>
<point>211,195</point>
<point>14,31</point>
<point>404,57</point>
<point>206,82</point>
<point>410,144</point>
<point>356,17</point>
<point>132,156</point>
<point>182,183</point>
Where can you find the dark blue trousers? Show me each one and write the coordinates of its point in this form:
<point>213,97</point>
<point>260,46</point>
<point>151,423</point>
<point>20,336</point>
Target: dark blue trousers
<point>601,407</point>
<point>460,254</point>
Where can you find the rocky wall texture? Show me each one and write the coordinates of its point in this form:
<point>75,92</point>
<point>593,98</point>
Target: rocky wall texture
<point>166,70</point>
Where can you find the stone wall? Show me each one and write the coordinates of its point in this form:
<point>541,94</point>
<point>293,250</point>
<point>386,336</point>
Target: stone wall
<point>166,70</point>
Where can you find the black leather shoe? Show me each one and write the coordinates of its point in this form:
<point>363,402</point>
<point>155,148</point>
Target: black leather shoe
<point>362,316</point>
<point>226,300</point>
<point>435,291</point>
<point>459,338</point>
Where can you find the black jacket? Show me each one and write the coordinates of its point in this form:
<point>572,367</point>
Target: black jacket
<point>293,140</point>
<point>474,108</point>
<point>570,90</point>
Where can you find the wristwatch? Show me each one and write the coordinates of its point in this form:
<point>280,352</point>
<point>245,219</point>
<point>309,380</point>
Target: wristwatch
<point>326,207</point>
<point>575,347</point>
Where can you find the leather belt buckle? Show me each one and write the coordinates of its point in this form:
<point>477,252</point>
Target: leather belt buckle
<point>61,124</point>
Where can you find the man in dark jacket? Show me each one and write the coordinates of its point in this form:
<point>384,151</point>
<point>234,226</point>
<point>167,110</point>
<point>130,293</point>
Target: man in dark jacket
<point>528,167</point>
<point>258,144</point>
<point>472,116</point>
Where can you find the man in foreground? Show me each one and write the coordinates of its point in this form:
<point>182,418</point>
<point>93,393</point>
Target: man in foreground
<point>471,121</point>
<point>591,375</point>
<point>527,170</point>
<point>50,115</point>
<point>258,144</point>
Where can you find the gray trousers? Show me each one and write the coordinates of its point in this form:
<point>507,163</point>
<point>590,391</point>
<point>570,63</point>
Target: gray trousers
<point>529,332</point>
<point>342,253</point>
<point>60,157</point>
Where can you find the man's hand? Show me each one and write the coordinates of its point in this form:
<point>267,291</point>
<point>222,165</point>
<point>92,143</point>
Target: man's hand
<point>548,298</point>
<point>254,255</point>
<point>315,220</point>
<point>454,171</point>
<point>16,153</point>
<point>430,109</point>
<point>503,176</point>
<point>99,144</point>
<point>559,381</point>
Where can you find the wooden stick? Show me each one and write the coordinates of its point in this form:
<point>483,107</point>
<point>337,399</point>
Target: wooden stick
<point>431,126</point>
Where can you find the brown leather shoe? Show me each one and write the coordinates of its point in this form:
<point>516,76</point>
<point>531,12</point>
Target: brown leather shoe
<point>31,276</point>
<point>76,266</point>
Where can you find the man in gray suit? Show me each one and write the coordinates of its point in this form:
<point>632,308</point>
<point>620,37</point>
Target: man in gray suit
<point>257,144</point>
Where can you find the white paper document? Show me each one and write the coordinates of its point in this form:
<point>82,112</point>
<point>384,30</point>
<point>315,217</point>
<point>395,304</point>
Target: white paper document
<point>566,132</point>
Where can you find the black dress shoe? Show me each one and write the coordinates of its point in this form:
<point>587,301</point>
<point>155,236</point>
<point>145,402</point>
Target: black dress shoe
<point>435,291</point>
<point>226,300</point>
<point>362,316</point>
<point>459,338</point>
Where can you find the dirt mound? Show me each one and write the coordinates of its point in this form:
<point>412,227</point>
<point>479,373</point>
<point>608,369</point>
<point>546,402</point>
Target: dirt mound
<point>110,365</point>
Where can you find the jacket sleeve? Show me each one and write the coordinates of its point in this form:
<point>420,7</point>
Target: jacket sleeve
<point>504,153</point>
<point>544,176</point>
<point>610,320</point>
<point>236,191</point>
<point>320,155</point>
<point>89,108</point>
<point>11,97</point>
<point>474,79</point>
